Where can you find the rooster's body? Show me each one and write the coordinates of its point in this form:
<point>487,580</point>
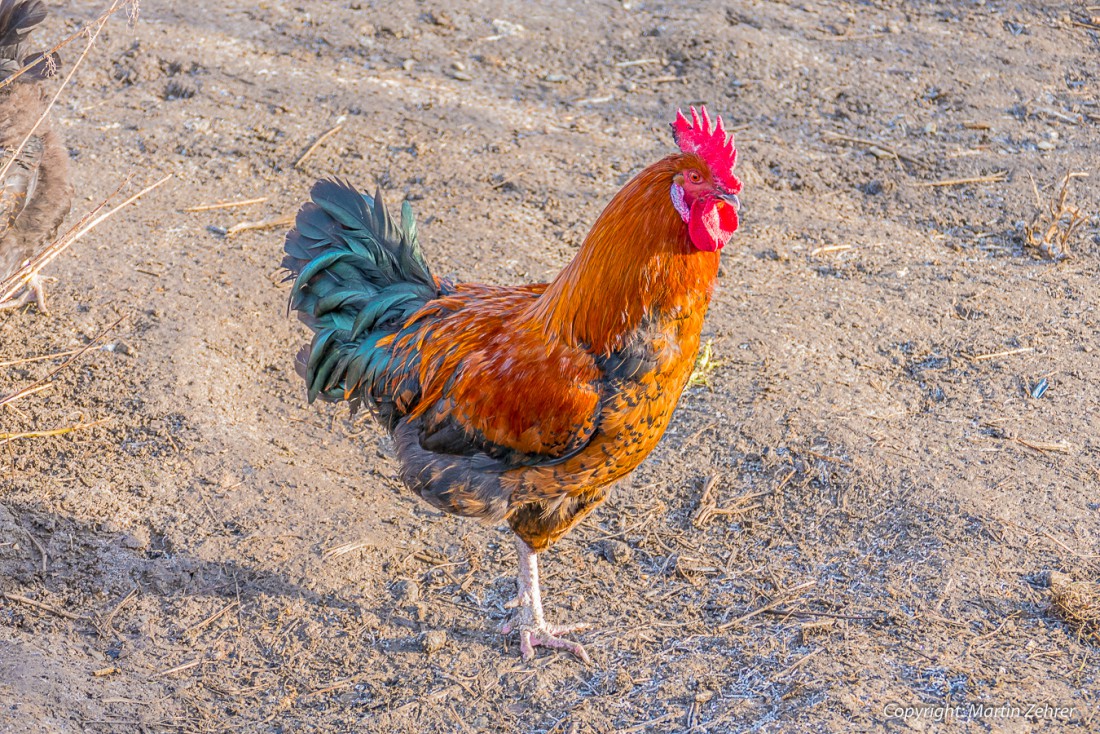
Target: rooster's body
<point>35,193</point>
<point>519,404</point>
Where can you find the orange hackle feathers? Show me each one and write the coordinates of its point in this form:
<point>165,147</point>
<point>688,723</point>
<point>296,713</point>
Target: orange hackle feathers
<point>635,261</point>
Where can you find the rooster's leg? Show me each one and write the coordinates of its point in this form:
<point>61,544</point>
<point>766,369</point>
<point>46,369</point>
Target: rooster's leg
<point>528,619</point>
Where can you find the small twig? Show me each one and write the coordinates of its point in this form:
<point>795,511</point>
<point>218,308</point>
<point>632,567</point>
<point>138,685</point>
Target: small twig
<point>225,205</point>
<point>344,549</point>
<point>797,664</point>
<point>42,358</point>
<point>637,62</point>
<point>995,355</point>
<point>770,605</point>
<point>853,37</point>
<point>651,722</point>
<point>25,393</point>
<point>996,177</point>
<point>196,628</point>
<point>827,615</point>
<point>41,551</point>
<point>42,605</point>
<point>1044,446</point>
<point>317,143</point>
<point>830,248</point>
<point>106,623</point>
<point>177,669</point>
<point>1057,223</point>
<point>265,224</point>
<point>706,506</point>
<point>9,437</point>
<point>332,687</point>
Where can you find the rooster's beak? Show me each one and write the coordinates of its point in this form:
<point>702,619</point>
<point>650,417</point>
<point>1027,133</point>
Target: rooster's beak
<point>732,200</point>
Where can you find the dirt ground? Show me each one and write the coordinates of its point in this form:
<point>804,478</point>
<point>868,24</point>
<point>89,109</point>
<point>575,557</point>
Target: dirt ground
<point>858,514</point>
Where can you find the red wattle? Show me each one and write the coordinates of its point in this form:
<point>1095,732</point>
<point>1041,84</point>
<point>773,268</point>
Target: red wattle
<point>712,223</point>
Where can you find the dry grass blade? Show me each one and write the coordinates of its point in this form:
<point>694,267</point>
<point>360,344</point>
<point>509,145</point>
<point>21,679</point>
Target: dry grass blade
<point>177,669</point>
<point>15,282</point>
<point>317,144</point>
<point>830,249</point>
<point>995,177</point>
<point>797,664</point>
<point>225,205</point>
<point>344,549</point>
<point>9,437</point>
<point>37,384</point>
<point>198,627</point>
<point>41,605</point>
<point>264,224</point>
<point>1054,226</point>
<point>27,392</point>
<point>995,355</point>
<point>41,358</point>
<point>1044,446</point>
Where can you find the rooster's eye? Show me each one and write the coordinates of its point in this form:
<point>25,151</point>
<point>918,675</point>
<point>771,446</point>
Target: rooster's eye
<point>694,177</point>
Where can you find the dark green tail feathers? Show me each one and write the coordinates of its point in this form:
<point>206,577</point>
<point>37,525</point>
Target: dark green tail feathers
<point>358,276</point>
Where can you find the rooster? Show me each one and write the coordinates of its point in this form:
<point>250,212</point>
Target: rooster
<point>520,404</point>
<point>35,192</point>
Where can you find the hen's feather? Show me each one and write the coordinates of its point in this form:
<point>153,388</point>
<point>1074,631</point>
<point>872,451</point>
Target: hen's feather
<point>35,192</point>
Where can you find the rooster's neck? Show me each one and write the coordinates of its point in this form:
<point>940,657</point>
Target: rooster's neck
<point>636,264</point>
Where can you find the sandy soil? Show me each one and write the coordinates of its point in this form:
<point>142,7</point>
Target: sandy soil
<point>891,499</point>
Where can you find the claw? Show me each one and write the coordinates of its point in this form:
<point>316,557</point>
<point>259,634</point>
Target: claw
<point>33,291</point>
<point>529,639</point>
<point>528,620</point>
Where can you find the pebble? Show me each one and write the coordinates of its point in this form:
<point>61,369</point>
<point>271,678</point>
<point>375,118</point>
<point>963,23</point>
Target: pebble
<point>433,640</point>
<point>617,552</point>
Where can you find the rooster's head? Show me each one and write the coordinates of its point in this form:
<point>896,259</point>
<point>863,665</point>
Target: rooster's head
<point>704,189</point>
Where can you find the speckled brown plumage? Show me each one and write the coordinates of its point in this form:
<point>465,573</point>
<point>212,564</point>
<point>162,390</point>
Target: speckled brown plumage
<point>35,191</point>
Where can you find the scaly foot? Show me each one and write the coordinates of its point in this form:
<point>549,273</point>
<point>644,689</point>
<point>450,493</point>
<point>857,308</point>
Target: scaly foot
<point>533,634</point>
<point>528,620</point>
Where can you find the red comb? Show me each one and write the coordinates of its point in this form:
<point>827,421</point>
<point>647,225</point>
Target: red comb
<point>712,145</point>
